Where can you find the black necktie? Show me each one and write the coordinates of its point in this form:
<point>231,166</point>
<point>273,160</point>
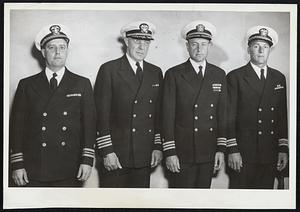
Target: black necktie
<point>53,82</point>
<point>262,76</point>
<point>200,74</point>
<point>139,72</point>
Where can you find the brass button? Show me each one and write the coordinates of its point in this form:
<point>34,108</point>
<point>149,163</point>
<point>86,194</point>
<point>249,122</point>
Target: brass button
<point>196,105</point>
<point>150,130</point>
<point>63,143</point>
<point>211,105</point>
<point>64,128</point>
<point>150,101</point>
<point>133,130</point>
<point>272,108</point>
<point>211,129</point>
<point>196,117</point>
<point>272,121</point>
<point>150,115</point>
<point>259,109</point>
<point>134,115</point>
<point>196,129</point>
<point>65,113</point>
<point>211,117</point>
<point>259,132</point>
<point>135,101</point>
<point>44,128</point>
<point>45,114</point>
<point>44,144</point>
<point>272,132</point>
<point>259,121</point>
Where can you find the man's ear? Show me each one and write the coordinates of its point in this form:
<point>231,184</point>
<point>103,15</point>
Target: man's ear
<point>43,52</point>
<point>126,41</point>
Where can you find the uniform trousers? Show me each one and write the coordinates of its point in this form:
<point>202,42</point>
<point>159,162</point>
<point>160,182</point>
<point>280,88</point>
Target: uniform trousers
<point>125,177</point>
<point>253,176</point>
<point>192,175</point>
<point>71,182</point>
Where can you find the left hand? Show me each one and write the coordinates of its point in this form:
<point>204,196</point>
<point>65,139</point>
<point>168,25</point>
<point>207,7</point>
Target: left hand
<point>219,161</point>
<point>156,158</point>
<point>84,172</point>
<point>282,161</point>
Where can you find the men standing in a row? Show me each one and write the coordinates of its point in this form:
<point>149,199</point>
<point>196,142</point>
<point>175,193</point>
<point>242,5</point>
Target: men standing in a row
<point>128,99</point>
<point>52,131</point>
<point>257,113</point>
<point>194,113</point>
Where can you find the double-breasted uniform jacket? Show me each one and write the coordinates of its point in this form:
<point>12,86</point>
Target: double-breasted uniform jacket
<point>128,112</point>
<point>52,133</point>
<point>194,113</point>
<point>257,117</point>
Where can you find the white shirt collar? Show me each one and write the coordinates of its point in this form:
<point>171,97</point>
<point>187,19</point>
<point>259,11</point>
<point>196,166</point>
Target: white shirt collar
<point>257,69</point>
<point>133,62</point>
<point>196,66</point>
<point>60,74</point>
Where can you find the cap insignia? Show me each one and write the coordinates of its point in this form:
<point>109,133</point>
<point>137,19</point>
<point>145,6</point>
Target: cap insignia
<point>200,28</point>
<point>55,29</point>
<point>144,28</point>
<point>263,32</point>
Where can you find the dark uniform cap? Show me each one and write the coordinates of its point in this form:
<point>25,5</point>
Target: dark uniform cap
<point>140,30</point>
<point>262,33</point>
<point>51,32</point>
<point>198,29</point>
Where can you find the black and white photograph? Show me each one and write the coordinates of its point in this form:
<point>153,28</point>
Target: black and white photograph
<point>150,105</point>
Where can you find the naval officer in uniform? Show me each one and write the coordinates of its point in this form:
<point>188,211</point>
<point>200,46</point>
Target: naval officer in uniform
<point>128,98</point>
<point>194,114</point>
<point>52,132</point>
<point>257,116</point>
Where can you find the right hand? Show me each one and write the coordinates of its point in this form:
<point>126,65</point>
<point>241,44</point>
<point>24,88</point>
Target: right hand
<point>20,177</point>
<point>172,163</point>
<point>111,162</point>
<point>235,161</point>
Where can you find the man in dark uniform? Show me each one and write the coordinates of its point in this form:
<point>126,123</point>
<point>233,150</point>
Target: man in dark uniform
<point>52,132</point>
<point>194,114</point>
<point>128,99</point>
<point>257,113</point>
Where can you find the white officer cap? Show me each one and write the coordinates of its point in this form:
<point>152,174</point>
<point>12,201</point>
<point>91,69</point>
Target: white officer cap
<point>199,29</point>
<point>50,32</point>
<point>140,30</point>
<point>262,33</point>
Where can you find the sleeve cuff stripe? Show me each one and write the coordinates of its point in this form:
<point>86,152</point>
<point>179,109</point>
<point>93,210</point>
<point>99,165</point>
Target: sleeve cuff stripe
<point>157,142</point>
<point>88,155</point>
<point>168,148</point>
<point>104,142</point>
<point>103,146</point>
<point>103,137</point>
<point>16,157</point>
<point>221,139</point>
<point>106,139</point>
<point>222,143</point>
<point>169,142</point>
<point>16,160</point>
<point>168,145</point>
<point>231,145</point>
<point>16,154</point>
<point>157,139</point>
<point>88,150</point>
<point>232,139</point>
<point>283,145</point>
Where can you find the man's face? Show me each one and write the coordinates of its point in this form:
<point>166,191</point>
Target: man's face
<point>259,51</point>
<point>137,49</point>
<point>55,53</point>
<point>198,48</point>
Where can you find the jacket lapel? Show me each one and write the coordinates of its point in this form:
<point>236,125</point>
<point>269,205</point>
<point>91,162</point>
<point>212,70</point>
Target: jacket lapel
<point>206,82</point>
<point>190,76</point>
<point>252,79</point>
<point>147,80</point>
<point>128,74</point>
<point>42,86</point>
<point>60,93</point>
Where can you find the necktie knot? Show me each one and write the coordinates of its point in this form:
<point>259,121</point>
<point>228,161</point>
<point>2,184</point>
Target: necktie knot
<point>54,75</point>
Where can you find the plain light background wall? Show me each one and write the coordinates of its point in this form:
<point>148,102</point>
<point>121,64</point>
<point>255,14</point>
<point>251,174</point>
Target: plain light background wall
<point>95,39</point>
